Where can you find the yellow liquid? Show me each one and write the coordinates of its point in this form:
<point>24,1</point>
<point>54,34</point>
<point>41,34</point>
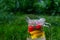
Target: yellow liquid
<point>36,34</point>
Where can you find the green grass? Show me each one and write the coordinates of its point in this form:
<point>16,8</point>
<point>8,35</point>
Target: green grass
<point>15,28</point>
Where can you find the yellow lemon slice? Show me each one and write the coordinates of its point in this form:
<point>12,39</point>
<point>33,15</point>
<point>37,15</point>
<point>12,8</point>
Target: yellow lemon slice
<point>41,35</point>
<point>36,35</point>
<point>34,32</point>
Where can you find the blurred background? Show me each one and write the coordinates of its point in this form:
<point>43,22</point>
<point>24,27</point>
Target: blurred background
<point>13,25</point>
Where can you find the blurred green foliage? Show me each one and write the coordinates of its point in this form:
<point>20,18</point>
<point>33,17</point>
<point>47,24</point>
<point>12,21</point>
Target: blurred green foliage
<point>50,7</point>
<point>14,27</point>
